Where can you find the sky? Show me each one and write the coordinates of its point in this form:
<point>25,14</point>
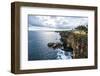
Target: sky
<point>55,22</point>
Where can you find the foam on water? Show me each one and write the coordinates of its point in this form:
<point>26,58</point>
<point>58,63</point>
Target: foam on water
<point>62,56</point>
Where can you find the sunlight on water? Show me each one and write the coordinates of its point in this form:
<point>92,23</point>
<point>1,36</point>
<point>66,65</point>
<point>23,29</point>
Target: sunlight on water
<point>38,46</point>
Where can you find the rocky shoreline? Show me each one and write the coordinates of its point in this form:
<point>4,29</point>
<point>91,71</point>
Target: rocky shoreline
<point>74,42</point>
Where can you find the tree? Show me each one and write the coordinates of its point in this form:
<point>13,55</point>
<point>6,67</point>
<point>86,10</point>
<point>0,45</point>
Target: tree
<point>82,28</point>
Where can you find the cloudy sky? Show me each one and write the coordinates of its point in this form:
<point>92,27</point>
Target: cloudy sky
<point>55,22</point>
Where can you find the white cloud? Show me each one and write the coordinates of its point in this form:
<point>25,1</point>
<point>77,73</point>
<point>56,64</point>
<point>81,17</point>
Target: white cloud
<point>58,22</point>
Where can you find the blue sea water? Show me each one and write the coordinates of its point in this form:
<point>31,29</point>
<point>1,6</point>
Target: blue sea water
<point>38,45</point>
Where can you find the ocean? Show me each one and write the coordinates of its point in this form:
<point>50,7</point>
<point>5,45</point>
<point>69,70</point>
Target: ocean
<point>38,45</point>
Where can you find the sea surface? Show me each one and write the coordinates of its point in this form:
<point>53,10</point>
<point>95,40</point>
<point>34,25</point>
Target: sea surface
<point>38,45</point>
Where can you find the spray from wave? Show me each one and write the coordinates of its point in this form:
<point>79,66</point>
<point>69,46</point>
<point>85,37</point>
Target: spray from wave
<point>62,55</point>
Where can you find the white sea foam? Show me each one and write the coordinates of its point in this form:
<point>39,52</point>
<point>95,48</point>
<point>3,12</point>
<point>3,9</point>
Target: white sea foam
<point>61,55</point>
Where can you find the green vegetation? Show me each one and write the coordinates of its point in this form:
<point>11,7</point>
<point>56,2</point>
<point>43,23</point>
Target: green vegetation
<point>75,41</point>
<point>82,28</point>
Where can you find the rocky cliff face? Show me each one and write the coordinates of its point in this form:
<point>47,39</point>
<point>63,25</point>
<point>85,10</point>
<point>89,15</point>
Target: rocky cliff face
<point>76,42</point>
